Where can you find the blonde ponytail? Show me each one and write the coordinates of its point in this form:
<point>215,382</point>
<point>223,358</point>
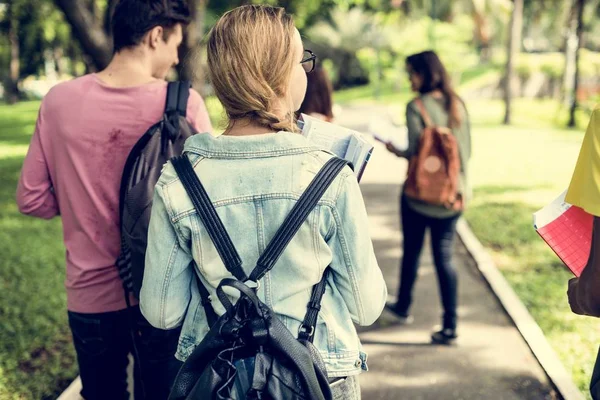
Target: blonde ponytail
<point>250,62</point>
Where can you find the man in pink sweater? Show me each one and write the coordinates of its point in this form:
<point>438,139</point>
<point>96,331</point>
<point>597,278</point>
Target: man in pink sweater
<point>84,133</point>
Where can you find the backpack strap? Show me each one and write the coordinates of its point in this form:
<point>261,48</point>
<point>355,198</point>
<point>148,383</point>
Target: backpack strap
<point>296,217</point>
<point>307,328</point>
<point>207,213</point>
<point>178,94</point>
<point>182,97</point>
<point>172,97</point>
<point>423,112</point>
<point>176,104</point>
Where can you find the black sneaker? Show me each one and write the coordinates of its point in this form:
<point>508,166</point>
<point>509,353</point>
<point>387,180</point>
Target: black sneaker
<point>445,336</point>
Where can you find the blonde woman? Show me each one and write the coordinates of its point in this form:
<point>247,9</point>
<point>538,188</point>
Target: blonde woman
<point>254,173</point>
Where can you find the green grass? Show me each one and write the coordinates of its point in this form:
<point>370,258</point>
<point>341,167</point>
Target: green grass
<point>36,355</point>
<point>516,170</point>
<point>478,72</point>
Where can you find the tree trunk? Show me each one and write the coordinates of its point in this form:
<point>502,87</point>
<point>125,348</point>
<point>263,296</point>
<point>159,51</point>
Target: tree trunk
<point>378,73</point>
<point>93,39</point>
<point>483,36</point>
<point>58,55</point>
<point>110,9</point>
<point>12,87</point>
<point>344,71</point>
<point>514,45</point>
<point>578,14</point>
<point>190,66</point>
<point>73,55</point>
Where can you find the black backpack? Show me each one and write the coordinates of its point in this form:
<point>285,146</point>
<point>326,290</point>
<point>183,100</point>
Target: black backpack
<point>161,142</point>
<point>248,352</point>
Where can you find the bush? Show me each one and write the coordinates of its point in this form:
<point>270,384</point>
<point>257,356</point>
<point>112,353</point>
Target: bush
<point>369,60</point>
<point>526,66</point>
<point>452,41</point>
<point>589,63</point>
<point>552,64</point>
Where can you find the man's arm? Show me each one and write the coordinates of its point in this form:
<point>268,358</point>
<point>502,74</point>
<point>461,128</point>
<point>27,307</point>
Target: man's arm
<point>35,194</point>
<point>584,293</point>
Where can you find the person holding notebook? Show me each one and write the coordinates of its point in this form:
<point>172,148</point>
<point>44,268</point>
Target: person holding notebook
<point>429,78</point>
<point>584,192</point>
<point>254,173</point>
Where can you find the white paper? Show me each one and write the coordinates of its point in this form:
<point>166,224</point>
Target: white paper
<point>551,212</point>
<point>343,142</point>
<point>326,135</point>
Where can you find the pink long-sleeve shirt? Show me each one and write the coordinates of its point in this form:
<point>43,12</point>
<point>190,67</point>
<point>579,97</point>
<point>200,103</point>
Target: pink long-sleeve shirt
<point>84,133</point>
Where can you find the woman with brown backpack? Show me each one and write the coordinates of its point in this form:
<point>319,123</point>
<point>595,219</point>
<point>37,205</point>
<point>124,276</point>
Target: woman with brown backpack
<point>434,195</point>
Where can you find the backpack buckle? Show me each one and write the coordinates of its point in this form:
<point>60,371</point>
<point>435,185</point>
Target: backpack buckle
<point>254,285</point>
<point>303,329</point>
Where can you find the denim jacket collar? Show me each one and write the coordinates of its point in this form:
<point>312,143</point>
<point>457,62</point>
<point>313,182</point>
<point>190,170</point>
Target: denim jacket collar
<point>253,146</point>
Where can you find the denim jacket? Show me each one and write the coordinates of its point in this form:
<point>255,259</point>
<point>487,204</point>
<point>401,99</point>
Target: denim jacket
<point>253,182</point>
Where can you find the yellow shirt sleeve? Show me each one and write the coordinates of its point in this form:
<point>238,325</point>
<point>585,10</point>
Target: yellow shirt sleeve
<point>584,190</point>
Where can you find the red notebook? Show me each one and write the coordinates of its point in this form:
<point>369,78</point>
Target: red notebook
<point>567,230</point>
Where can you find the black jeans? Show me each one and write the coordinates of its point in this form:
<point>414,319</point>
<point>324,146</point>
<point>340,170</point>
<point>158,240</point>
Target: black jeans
<point>443,232</point>
<point>104,341</point>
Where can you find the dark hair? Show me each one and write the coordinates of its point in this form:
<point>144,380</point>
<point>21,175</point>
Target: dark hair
<point>318,94</point>
<point>429,66</point>
<point>132,19</point>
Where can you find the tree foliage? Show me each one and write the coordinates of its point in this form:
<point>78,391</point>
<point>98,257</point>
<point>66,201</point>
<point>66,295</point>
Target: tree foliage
<point>73,35</point>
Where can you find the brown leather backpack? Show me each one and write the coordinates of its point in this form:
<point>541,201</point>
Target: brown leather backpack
<point>433,173</point>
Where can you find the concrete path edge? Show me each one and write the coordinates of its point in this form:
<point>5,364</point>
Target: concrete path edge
<point>519,314</point>
<point>72,392</point>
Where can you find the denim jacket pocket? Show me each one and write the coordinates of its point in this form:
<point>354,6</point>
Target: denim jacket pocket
<point>346,340</point>
<point>324,333</point>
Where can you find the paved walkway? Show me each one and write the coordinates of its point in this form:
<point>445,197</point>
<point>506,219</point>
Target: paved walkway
<point>490,361</point>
